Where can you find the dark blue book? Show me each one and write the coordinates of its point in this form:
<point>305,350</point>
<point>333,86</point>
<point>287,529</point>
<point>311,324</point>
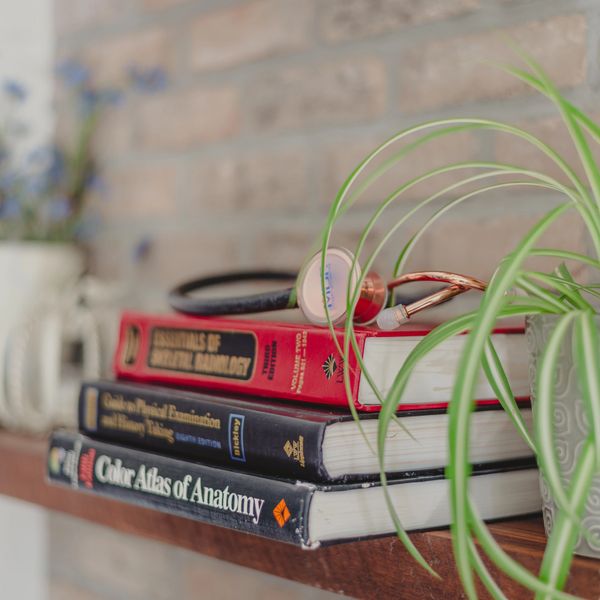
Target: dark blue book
<point>290,511</point>
<point>284,439</point>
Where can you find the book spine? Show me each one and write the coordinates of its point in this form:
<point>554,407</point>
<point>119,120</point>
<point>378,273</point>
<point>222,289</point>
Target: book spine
<point>270,508</point>
<point>257,358</point>
<point>242,438</point>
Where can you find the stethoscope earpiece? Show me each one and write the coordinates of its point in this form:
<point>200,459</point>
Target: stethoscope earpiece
<point>392,318</point>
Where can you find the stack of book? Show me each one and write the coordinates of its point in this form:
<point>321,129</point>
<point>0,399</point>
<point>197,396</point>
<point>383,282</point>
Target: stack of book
<point>272,449</point>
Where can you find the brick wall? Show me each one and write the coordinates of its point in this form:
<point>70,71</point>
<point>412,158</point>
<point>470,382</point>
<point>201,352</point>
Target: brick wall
<point>271,103</point>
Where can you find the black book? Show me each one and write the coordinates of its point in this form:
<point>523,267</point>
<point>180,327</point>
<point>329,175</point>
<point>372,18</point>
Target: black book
<point>289,511</point>
<point>283,439</point>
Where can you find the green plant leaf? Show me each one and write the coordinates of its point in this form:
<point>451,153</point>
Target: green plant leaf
<point>559,549</point>
<point>536,290</point>
<point>565,285</point>
<point>586,348</point>
<point>583,149</point>
<point>498,380</point>
<point>505,562</point>
<point>352,294</point>
<point>467,373</point>
<point>566,255</point>
<point>429,342</point>
<point>484,575</point>
<point>536,84</point>
<point>400,531</point>
<point>554,293</point>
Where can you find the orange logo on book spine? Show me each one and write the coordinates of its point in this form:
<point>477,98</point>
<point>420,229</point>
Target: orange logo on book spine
<point>281,513</point>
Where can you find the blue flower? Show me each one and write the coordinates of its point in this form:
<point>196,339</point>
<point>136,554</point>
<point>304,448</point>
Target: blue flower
<point>88,100</point>
<point>14,89</point>
<point>153,79</point>
<point>50,162</point>
<point>58,209</point>
<point>142,249</point>
<point>10,208</point>
<point>44,170</point>
<point>56,167</point>
<point>35,185</point>
<point>96,184</point>
<point>110,96</point>
<point>8,181</point>
<point>73,73</point>
<point>37,155</point>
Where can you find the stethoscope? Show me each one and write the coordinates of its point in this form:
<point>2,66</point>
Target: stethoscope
<point>311,296</point>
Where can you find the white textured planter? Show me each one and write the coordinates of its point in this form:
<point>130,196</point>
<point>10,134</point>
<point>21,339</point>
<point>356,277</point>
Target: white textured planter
<point>570,428</point>
<point>33,276</point>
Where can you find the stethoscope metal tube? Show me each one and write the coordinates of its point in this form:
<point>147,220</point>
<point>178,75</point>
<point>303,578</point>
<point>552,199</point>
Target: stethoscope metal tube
<point>392,318</point>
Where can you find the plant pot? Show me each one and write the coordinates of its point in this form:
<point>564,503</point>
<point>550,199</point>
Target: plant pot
<point>570,427</point>
<point>34,275</point>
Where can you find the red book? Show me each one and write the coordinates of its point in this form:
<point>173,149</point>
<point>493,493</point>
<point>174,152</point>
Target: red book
<point>298,362</point>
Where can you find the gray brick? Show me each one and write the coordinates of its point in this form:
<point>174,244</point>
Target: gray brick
<point>317,94</point>
<point>273,180</point>
<point>247,32</point>
<point>450,244</point>
<point>148,191</point>
<point>550,130</point>
<point>75,15</point>
<point>180,120</point>
<point>159,5</point>
<point>342,157</point>
<point>111,57</point>
<point>458,70</point>
<point>342,20</point>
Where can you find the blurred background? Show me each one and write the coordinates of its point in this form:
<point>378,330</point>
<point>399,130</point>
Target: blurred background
<point>172,138</point>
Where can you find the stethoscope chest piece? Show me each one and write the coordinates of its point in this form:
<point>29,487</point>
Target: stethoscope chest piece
<point>338,272</point>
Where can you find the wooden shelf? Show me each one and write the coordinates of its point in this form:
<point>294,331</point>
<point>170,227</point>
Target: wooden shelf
<point>370,569</point>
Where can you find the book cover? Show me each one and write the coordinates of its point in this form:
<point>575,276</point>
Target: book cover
<point>277,509</point>
<point>266,507</point>
<point>283,439</point>
<point>260,358</point>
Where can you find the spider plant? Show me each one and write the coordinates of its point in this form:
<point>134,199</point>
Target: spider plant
<point>514,291</point>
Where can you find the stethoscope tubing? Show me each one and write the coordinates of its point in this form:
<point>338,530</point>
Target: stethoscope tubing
<point>181,300</point>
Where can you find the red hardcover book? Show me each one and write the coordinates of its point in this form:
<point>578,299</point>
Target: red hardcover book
<point>298,362</point>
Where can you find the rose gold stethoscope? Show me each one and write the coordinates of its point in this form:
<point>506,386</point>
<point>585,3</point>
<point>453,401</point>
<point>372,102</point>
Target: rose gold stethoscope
<point>321,292</point>
<point>340,267</point>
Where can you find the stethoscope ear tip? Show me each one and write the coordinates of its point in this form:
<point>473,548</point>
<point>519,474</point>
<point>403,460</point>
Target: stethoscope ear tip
<point>390,319</point>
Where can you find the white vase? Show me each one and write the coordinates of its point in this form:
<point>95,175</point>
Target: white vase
<point>30,270</point>
<point>34,278</point>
